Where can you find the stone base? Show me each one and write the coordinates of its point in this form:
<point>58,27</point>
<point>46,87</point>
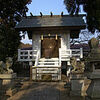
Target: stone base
<point>8,84</point>
<point>88,98</point>
<point>77,81</point>
<point>75,93</point>
<point>8,76</point>
<point>93,91</point>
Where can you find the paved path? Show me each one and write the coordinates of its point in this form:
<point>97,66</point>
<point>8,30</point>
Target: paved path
<point>39,91</point>
<point>43,91</point>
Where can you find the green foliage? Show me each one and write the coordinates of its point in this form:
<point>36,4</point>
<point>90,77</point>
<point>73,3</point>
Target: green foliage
<point>91,7</point>
<point>9,42</point>
<point>72,6</point>
<point>11,12</point>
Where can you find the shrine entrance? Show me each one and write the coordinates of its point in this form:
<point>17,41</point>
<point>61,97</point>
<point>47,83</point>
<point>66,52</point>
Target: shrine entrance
<point>50,47</point>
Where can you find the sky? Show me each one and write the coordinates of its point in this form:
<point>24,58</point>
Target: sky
<point>45,6</point>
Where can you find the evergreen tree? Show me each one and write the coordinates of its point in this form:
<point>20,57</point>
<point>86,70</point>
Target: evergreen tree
<point>11,12</point>
<point>91,7</point>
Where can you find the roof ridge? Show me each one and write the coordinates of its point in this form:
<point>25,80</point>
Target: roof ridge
<point>47,16</point>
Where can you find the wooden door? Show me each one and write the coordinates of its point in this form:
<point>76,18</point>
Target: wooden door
<point>50,47</point>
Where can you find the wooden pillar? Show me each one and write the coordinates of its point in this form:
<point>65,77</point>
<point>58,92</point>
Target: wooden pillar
<point>30,73</point>
<point>18,54</point>
<point>30,64</point>
<point>81,52</point>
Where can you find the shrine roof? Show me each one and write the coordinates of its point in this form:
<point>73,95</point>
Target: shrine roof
<point>50,21</point>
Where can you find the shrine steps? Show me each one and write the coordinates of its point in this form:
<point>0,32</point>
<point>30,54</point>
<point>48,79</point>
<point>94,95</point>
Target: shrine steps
<point>47,69</point>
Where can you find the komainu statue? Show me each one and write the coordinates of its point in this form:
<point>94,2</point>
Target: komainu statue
<point>2,67</point>
<point>5,68</point>
<point>78,66</point>
<point>9,63</point>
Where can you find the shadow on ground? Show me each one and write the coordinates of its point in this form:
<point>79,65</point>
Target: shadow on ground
<point>43,91</point>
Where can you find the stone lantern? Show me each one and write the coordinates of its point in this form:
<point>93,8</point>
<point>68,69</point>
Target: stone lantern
<point>93,65</point>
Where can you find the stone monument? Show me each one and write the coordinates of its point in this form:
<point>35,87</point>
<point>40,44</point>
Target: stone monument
<point>93,70</point>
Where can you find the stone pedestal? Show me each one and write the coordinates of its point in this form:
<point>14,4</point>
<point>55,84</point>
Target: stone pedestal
<point>7,84</point>
<point>8,76</point>
<point>93,92</point>
<point>77,81</point>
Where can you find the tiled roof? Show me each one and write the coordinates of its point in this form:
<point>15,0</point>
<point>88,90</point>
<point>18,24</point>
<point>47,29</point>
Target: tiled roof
<point>48,21</point>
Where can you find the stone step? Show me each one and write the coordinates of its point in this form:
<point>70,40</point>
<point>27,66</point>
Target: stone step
<point>48,62</point>
<point>51,59</point>
<point>48,66</point>
<point>45,72</point>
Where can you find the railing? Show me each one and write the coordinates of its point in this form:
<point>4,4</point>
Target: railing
<point>26,55</point>
<point>78,53</point>
<point>65,55</point>
<point>37,58</point>
<point>59,56</point>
